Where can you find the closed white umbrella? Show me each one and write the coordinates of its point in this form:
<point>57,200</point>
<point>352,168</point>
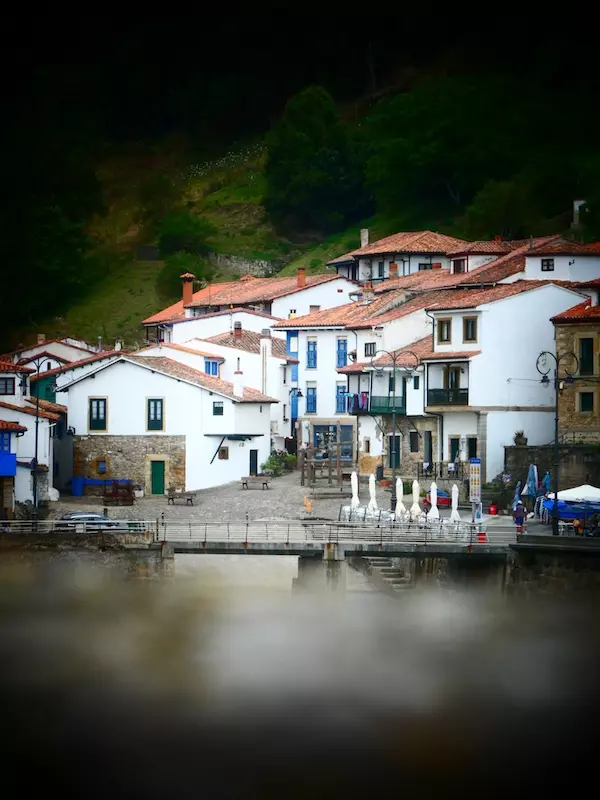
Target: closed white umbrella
<point>454,515</point>
<point>355,502</point>
<point>434,512</point>
<point>372,499</point>
<point>415,509</point>
<point>400,507</point>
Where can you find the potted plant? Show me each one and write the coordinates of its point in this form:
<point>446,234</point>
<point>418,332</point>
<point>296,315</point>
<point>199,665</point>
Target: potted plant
<point>520,438</point>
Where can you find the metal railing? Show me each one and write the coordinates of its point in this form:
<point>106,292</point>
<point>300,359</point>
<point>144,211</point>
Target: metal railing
<point>385,404</point>
<point>448,397</point>
<point>447,470</point>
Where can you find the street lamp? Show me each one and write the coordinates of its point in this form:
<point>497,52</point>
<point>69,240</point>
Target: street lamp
<point>570,365</point>
<point>395,358</point>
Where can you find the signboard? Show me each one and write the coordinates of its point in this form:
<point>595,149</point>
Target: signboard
<point>475,480</point>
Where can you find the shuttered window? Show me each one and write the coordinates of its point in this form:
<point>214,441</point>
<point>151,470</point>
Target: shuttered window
<point>97,414</point>
<point>155,414</point>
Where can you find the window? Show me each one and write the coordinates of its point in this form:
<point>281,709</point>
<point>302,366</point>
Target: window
<point>4,442</point>
<point>292,313</point>
<point>424,267</point>
<point>312,309</point>
<point>416,382</point>
<point>48,365</point>
<point>311,399</point>
<point>97,414</point>
<point>370,348</point>
<point>284,375</point>
<point>155,414</point>
<point>101,466</point>
<point>391,384</point>
<point>444,331</point>
<point>311,354</point>
<point>586,401</point>
<point>340,398</point>
<point>223,454</point>
<point>7,385</point>
<point>342,352</point>
<point>211,367</point>
<point>366,445</point>
<point>218,408</point>
<point>285,416</point>
<point>452,378</point>
<point>547,265</point>
<point>459,265</point>
<point>414,441</point>
<point>470,329</point>
<point>471,447</point>
<point>586,356</point>
<point>380,272</point>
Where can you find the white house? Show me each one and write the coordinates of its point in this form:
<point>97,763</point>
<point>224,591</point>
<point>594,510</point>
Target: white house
<point>481,378</point>
<point>397,255</point>
<point>50,353</point>
<point>166,425</point>
<point>18,414</point>
<point>281,297</point>
<point>261,357</point>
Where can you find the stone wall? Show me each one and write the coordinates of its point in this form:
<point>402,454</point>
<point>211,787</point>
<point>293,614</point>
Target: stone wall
<point>577,425</point>
<point>130,457</point>
<point>578,463</point>
<point>554,573</point>
<point>409,462</point>
<point>245,266</point>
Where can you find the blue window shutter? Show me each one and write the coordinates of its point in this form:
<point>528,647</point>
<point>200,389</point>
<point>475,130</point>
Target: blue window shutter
<point>311,355</point>
<point>294,372</point>
<point>340,399</point>
<point>207,366</point>
<point>342,352</point>
<point>311,400</point>
<point>215,368</point>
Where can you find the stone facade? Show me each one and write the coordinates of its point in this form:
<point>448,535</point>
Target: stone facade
<point>409,462</point>
<point>578,463</point>
<point>551,573</point>
<point>130,457</point>
<point>245,266</point>
<point>578,426</point>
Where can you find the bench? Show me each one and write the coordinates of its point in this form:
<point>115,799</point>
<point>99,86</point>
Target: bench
<point>173,495</point>
<point>256,480</point>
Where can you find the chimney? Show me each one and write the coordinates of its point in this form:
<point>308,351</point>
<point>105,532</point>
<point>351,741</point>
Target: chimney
<point>367,292</point>
<point>301,277</point>
<point>238,383</point>
<point>576,209</point>
<point>118,345</point>
<point>188,287</point>
<point>41,338</point>
<point>266,350</point>
<point>498,238</point>
<point>393,270</point>
<point>364,237</point>
<point>436,265</point>
<point>237,330</point>
<point>99,348</point>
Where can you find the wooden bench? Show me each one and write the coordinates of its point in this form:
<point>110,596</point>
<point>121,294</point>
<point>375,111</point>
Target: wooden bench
<point>256,480</point>
<point>173,495</point>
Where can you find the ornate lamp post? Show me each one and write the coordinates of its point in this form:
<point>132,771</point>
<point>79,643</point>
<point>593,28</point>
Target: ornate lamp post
<point>570,365</point>
<point>395,358</point>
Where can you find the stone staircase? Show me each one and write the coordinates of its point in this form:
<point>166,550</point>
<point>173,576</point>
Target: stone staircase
<point>386,577</point>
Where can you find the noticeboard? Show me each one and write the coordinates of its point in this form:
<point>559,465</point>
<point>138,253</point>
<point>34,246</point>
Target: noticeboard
<point>475,480</point>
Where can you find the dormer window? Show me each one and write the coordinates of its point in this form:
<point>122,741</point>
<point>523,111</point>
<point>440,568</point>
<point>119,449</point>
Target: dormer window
<point>547,265</point>
<point>459,265</point>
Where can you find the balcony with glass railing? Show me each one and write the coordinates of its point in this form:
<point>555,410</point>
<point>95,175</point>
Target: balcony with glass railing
<point>386,404</point>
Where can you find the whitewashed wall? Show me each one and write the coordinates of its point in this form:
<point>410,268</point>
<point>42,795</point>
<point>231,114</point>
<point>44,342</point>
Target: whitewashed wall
<point>474,261</point>
<point>408,264</point>
<point>538,427</point>
<point>211,325</point>
<point>566,268</point>
<point>64,378</point>
<point>62,349</point>
<point>326,295</point>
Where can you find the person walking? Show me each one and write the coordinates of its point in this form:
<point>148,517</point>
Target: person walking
<point>519,515</point>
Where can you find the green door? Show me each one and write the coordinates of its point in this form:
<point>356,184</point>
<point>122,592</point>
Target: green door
<point>157,477</point>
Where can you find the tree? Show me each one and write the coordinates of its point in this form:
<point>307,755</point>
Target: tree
<point>168,281</point>
<point>501,208</point>
<point>313,175</point>
<point>183,232</point>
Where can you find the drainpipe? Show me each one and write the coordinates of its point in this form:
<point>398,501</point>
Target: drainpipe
<point>425,389</point>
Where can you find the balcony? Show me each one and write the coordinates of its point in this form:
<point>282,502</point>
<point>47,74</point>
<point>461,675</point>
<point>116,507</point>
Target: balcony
<point>448,397</point>
<point>8,465</point>
<point>354,403</point>
<point>386,404</point>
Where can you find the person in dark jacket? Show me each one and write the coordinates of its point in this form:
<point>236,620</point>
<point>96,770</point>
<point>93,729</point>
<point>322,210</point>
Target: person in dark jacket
<point>519,515</point>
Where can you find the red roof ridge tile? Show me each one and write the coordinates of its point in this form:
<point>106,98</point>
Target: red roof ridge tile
<point>31,411</point>
<point>8,366</point>
<point>181,347</point>
<point>6,425</point>
<point>81,363</point>
<point>582,312</point>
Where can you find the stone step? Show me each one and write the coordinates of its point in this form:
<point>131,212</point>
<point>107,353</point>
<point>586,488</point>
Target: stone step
<point>400,580</point>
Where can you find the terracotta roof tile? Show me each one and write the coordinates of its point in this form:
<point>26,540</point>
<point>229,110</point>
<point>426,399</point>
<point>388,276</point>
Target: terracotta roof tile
<point>421,281</point>
<point>46,341</point>
<point>181,348</point>
<point>46,405</point>
<point>250,341</point>
<point>174,369</point>
<point>471,298</point>
<point>407,242</point>
<point>30,411</point>
<point>246,290</point>
<point>566,248</point>
<point>346,258</point>
<point>494,247</point>
<point>5,425</point>
<point>583,312</point>
<point>45,354</point>
<point>81,363</point>
<point>8,366</point>
<point>421,348</point>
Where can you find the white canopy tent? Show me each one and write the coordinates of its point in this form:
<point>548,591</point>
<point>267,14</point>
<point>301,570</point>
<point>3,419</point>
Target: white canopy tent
<point>579,494</point>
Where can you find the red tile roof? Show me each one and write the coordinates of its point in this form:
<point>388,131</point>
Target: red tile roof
<point>8,366</point>
<point>39,344</point>
<point>421,281</point>
<point>250,341</point>
<point>5,425</point>
<point>583,312</point>
<point>405,356</point>
<point>471,298</point>
<point>30,411</point>
<point>174,369</point>
<point>488,248</point>
<point>247,290</point>
<point>566,248</point>
<point>181,348</point>
<point>46,405</point>
<point>407,242</point>
<point>496,271</point>
<point>81,363</point>
<point>45,354</point>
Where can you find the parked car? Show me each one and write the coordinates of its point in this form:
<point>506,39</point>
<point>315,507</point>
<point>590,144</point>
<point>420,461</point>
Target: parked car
<point>443,499</point>
<point>94,522</point>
